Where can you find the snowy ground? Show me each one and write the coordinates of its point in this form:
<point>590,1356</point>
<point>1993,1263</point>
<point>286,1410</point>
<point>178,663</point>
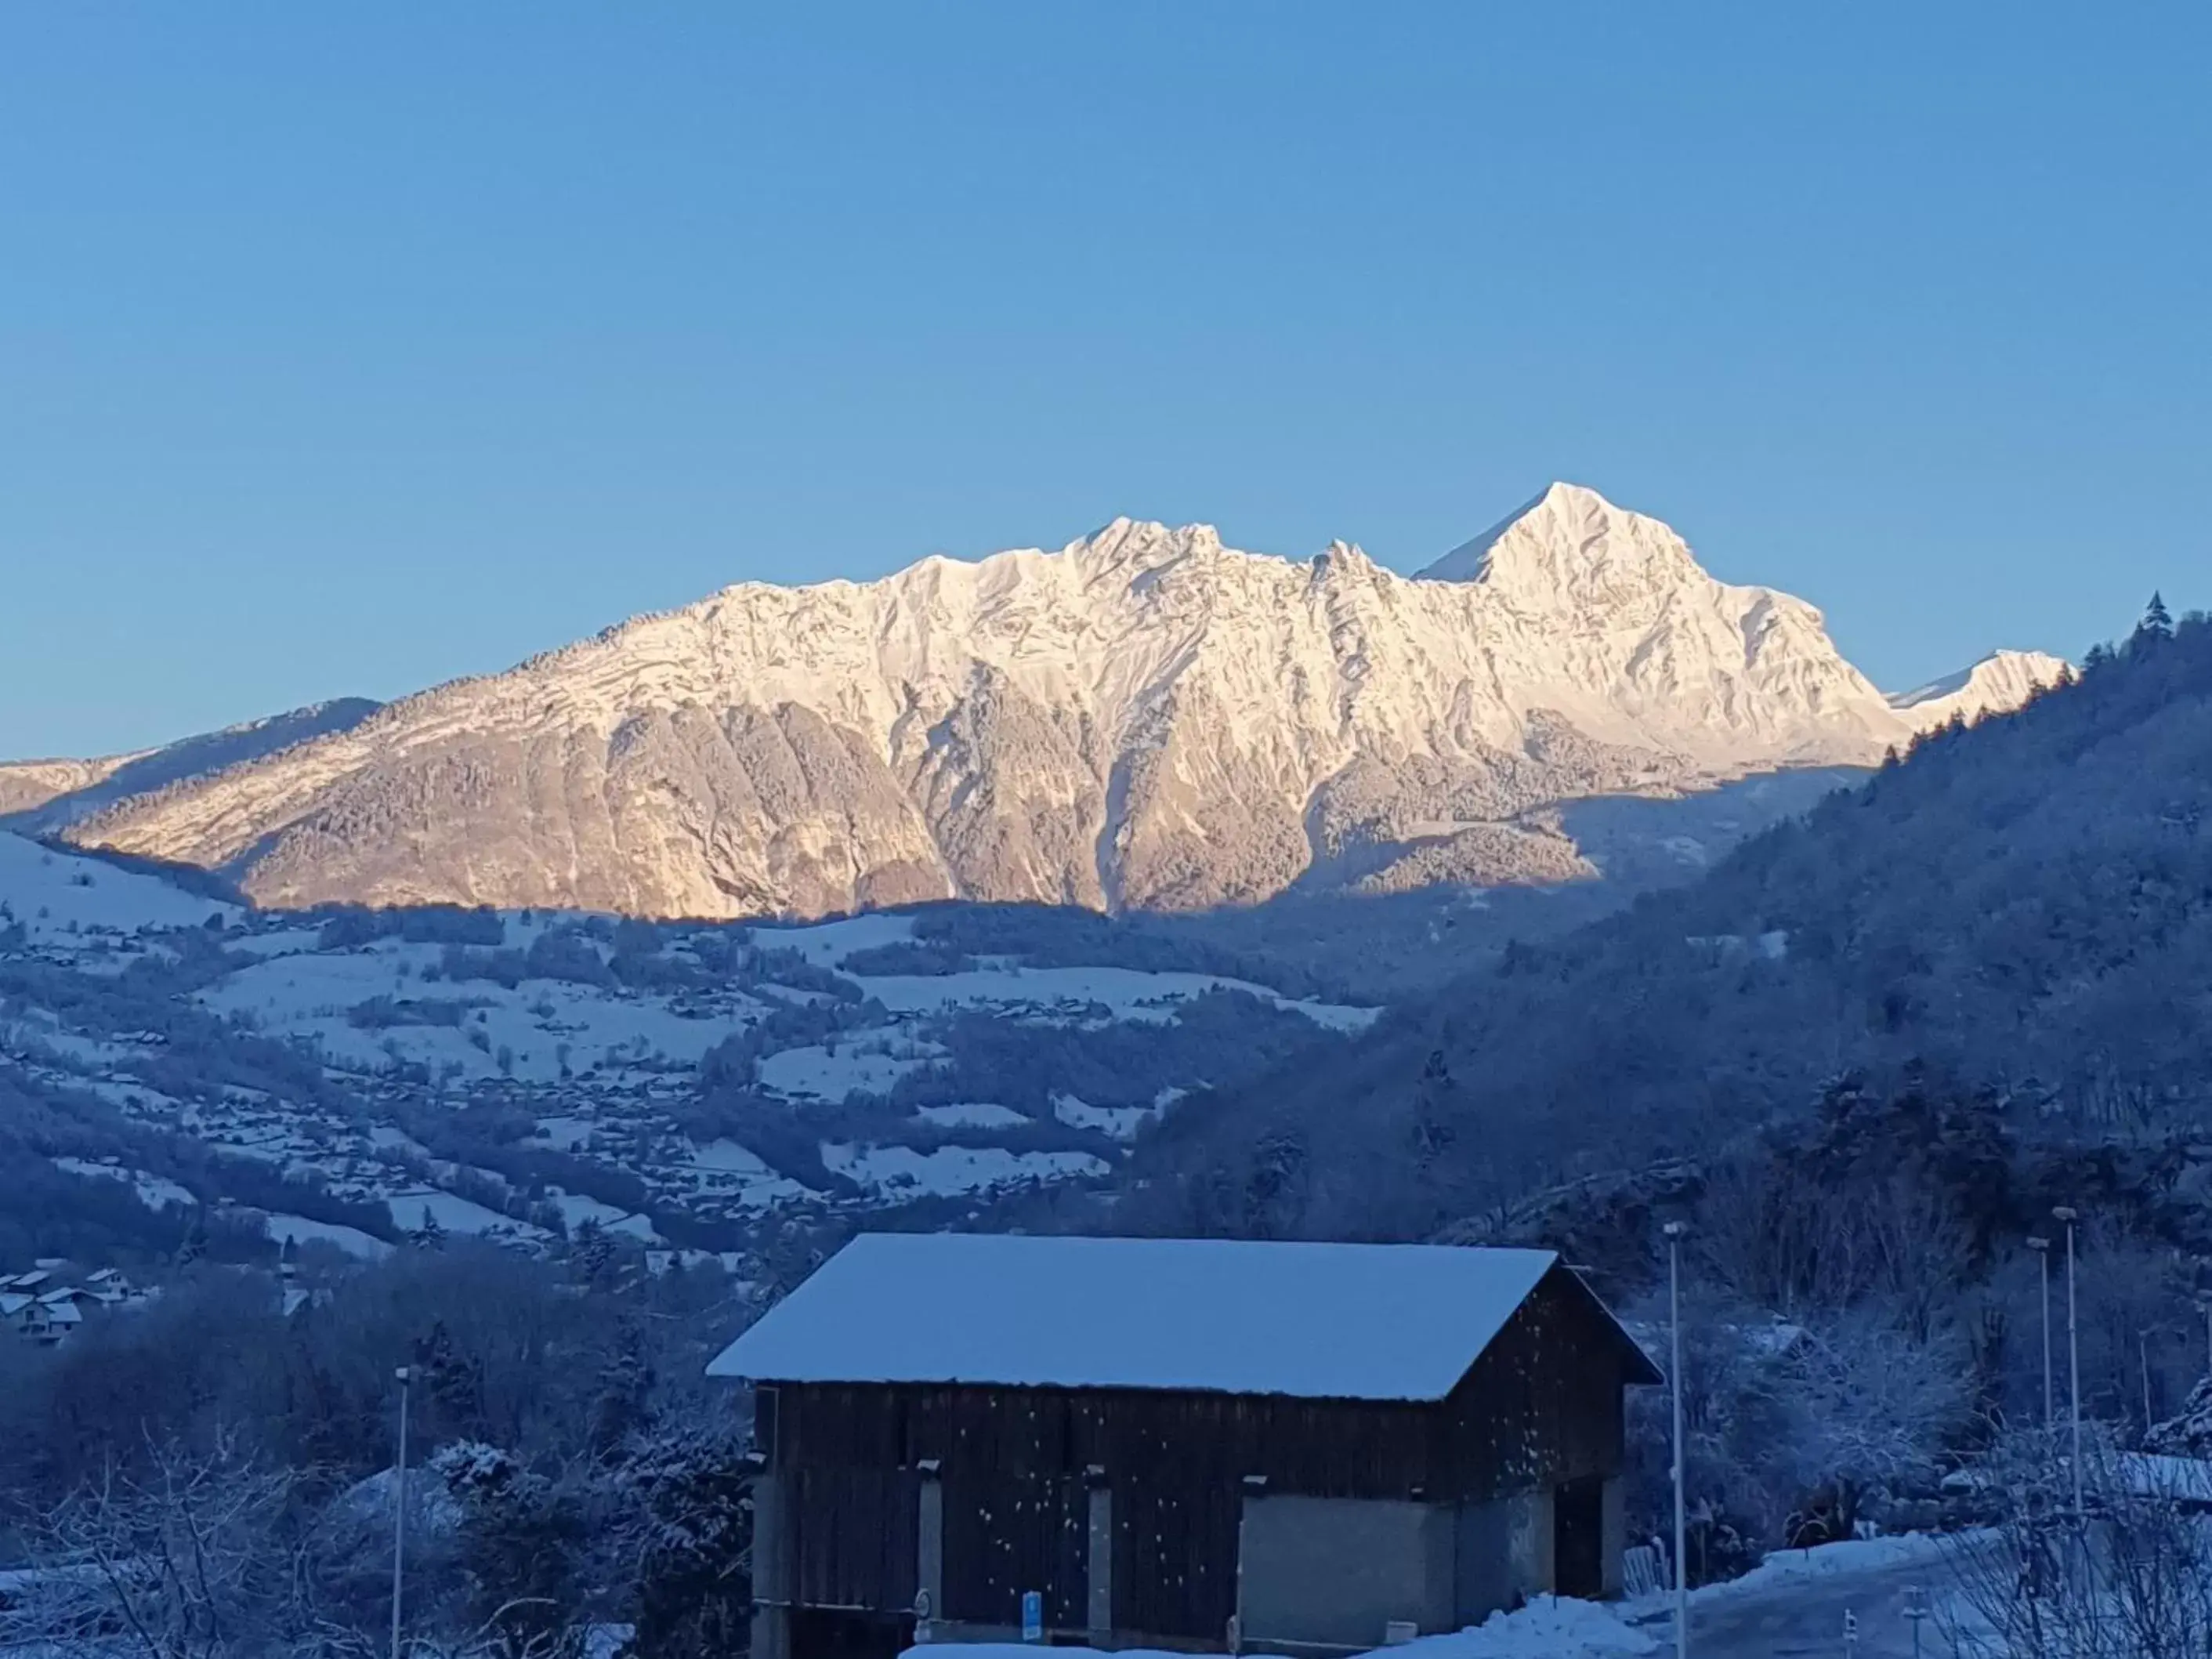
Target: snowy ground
<point>1793,1604</point>
<point>1546,1629</point>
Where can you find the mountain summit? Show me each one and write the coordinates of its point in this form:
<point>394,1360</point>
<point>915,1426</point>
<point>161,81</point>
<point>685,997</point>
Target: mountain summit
<point>1570,544</point>
<point>1144,718</point>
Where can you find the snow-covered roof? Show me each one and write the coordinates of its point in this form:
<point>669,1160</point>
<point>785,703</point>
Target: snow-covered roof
<point>2151,1475</point>
<point>1323,1322</point>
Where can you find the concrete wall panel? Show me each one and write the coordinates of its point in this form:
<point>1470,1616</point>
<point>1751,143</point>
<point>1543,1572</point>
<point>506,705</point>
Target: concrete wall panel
<point>1336,1571</point>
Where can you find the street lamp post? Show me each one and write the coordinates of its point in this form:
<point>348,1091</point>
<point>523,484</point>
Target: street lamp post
<point>1674,1230</point>
<point>2042,1248</point>
<point>1916,1609</point>
<point>2068,1216</point>
<point>399,1511</point>
<point>2205,1307</point>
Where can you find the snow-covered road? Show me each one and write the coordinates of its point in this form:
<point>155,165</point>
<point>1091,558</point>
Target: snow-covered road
<point>1796,1605</point>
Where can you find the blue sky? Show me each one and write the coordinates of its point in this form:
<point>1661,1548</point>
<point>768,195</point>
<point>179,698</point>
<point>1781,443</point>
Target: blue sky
<point>343,349</point>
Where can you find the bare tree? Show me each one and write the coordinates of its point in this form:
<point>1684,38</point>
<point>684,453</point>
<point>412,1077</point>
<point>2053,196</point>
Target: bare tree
<point>186,1555</point>
<point>2132,1579</point>
<point>1873,1404</point>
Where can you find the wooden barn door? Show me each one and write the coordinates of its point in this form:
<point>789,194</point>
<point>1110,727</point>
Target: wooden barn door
<point>1003,1538</point>
<point>1578,1539</point>
<point>851,1534</point>
<point>1175,1560</point>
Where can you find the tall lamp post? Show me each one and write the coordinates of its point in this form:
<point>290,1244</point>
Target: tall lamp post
<point>399,1511</point>
<point>2042,1248</point>
<point>1674,1230</point>
<point>2067,1216</point>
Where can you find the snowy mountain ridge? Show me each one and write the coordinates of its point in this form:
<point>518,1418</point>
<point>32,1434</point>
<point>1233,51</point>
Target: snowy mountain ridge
<point>1144,718</point>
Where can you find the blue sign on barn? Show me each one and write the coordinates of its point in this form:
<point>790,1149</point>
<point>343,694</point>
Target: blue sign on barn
<point>1032,1615</point>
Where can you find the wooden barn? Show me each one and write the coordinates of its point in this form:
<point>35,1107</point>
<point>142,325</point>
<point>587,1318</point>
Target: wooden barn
<point>1187,1444</point>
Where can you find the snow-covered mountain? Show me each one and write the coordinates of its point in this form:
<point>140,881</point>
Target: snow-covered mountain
<point>1146,718</point>
<point>38,795</point>
<point>2002,680</point>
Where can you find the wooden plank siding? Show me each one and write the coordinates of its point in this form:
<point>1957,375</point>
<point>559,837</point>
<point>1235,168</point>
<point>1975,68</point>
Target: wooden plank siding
<point>1175,1556</point>
<point>1003,1537</point>
<point>853,1536</point>
<point>1541,1407</point>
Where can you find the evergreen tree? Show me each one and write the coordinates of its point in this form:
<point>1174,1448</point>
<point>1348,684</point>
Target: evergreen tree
<point>2157,621</point>
<point>591,1253</point>
<point>621,1408</point>
<point>195,1241</point>
<point>429,1236</point>
<point>1432,1133</point>
<point>454,1383</point>
<point>694,1587</point>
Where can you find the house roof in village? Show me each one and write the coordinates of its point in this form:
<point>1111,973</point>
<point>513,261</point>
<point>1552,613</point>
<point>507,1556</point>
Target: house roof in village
<point>1322,1322</point>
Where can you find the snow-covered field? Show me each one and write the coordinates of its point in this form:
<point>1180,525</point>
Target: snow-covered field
<point>1121,1122</point>
<point>861,1065</point>
<point>81,905</point>
<point>298,1229</point>
<point>531,1033</point>
<point>971,1115</point>
<point>454,1214</point>
<point>155,1191</point>
<point>1126,993</point>
<point>952,1169</point>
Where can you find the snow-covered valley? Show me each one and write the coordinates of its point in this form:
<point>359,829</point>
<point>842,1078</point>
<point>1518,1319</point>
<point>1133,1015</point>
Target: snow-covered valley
<point>355,1078</point>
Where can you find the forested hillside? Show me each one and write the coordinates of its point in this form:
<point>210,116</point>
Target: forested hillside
<point>2020,910</point>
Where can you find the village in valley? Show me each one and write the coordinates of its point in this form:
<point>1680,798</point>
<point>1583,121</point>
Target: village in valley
<point>354,1080</point>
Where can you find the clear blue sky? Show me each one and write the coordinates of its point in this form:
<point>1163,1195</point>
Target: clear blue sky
<point>345,349</point>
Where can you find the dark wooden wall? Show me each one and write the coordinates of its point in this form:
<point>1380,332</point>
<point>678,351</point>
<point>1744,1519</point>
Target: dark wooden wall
<point>1541,1407</point>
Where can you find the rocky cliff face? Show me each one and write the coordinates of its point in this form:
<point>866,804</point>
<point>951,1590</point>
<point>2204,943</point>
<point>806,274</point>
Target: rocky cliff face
<point>1144,718</point>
